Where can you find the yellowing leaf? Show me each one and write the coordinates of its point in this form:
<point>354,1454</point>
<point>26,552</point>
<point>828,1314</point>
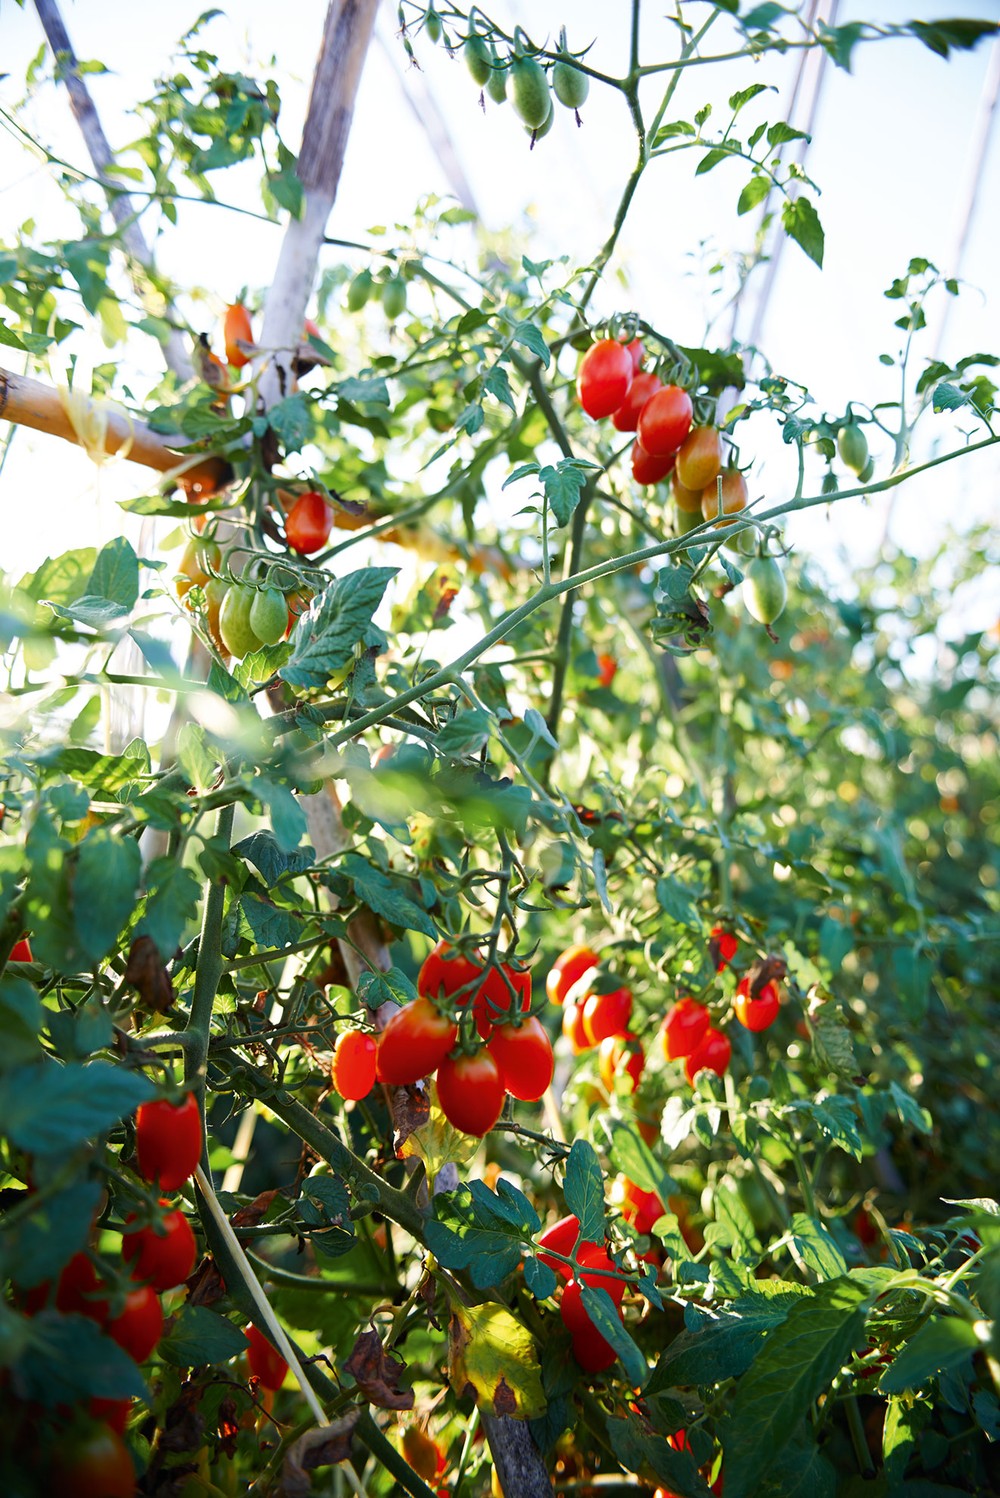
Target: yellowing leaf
<point>492,1356</point>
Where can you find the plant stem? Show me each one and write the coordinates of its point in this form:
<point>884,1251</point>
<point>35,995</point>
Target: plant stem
<point>207,974</point>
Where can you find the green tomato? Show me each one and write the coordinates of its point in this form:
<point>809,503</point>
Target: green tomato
<point>529,91</point>
<point>866,473</point>
<point>765,591</point>
<point>238,634</point>
<point>269,615</point>
<point>394,296</point>
<point>496,83</point>
<point>686,520</point>
<point>569,85</point>
<point>544,128</point>
<point>432,25</point>
<point>477,58</point>
<point>852,445</point>
<point>359,291</point>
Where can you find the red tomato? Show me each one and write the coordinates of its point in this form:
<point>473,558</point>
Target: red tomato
<point>266,1363</point>
<point>626,418</point>
<point>607,1014</point>
<point>352,1070</point>
<point>567,969</point>
<point>722,945</point>
<point>591,1351</point>
<point>649,470</point>
<point>560,1238</point>
<point>140,1325</point>
<point>604,377</point>
<point>311,330</point>
<point>308,523</point>
<point>162,1254</point>
<point>686,1025</point>
<point>414,1043</point>
<point>168,1141</point>
<point>21,951</point>
<point>572,1027</point>
<point>236,329</point>
<point>760,1012</point>
<point>423,1453</point>
<point>665,421</point>
<point>641,1208</point>
<point>607,669</point>
<point>93,1464</point>
<point>636,353</point>
<point>618,1053</point>
<point>712,1054</point>
<point>77,1290</point>
<point>112,1412</point>
<point>591,1256</point>
<point>445,971</point>
<point>524,1055</point>
<point>471,1092</point>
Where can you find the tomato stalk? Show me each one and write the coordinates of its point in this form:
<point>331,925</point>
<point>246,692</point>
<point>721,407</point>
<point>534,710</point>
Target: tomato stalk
<point>207,974</point>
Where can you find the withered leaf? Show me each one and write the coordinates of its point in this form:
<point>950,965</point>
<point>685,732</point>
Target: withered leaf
<point>376,1373</point>
<point>323,1446</point>
<point>146,972</point>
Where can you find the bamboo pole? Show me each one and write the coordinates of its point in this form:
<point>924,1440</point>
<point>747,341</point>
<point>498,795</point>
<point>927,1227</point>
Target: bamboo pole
<point>142,268</point>
<point>105,428</point>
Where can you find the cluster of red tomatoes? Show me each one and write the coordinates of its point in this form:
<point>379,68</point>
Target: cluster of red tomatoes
<point>687,1033</point>
<point>504,1049</point>
<point>158,1254</point>
<point>611,382</point>
<point>597,1269</point>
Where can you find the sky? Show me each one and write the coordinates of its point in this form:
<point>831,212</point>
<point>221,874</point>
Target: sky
<point>890,155</point>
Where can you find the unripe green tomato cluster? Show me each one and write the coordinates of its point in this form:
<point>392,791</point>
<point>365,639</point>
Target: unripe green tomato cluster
<point>523,77</point>
<point>765,591</point>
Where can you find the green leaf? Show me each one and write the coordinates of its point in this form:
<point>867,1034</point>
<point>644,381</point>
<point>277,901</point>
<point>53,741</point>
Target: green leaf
<point>744,95</point>
<point>636,1446</point>
<point>21,1019</point>
<point>38,1247</point>
<point>199,763</point>
<point>471,419</point>
<point>779,133</point>
<point>962,33</point>
<point>816,1247</point>
<point>531,337</point>
<point>116,575</point>
<point>801,1471</point>
<point>909,1110</point>
<point>370,391</point>
<point>721,1346</point>
<point>108,870</point>
<point>563,483</point>
<point>455,1238</point>
<point>385,896</point>
<point>837,1117</point>
<point>801,222</point>
<point>325,637</point>
<point>602,1311</point>
<point>291,421</point>
<point>68,1361</point>
<point>171,905</point>
<point>583,1189</point>
<point>270,860</point>
<point>540,1279</point>
<point>943,1343</point>
<point>709,160</point>
<point>755,192</point>
<point>199,1336</point>
<point>288,819</point>
<point>840,41</point>
<point>497,384</point>
<point>466,733</point>
<point>949,397</point>
<point>286,189</point>
<point>633,1157</point>
<point>797,1363</point>
<point>901,1435</point>
<point>50,1109</point>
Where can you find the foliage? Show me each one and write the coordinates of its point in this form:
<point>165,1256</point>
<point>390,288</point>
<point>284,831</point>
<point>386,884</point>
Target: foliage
<point>811,1284</point>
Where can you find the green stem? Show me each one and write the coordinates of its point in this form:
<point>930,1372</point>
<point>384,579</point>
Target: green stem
<point>207,974</point>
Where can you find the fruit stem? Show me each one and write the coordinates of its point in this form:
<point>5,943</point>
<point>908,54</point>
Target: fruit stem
<point>207,974</point>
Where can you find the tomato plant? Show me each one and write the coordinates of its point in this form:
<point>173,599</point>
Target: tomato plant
<point>252,867</point>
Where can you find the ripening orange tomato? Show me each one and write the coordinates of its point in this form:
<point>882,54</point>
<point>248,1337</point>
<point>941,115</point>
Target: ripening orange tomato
<point>237,333</point>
